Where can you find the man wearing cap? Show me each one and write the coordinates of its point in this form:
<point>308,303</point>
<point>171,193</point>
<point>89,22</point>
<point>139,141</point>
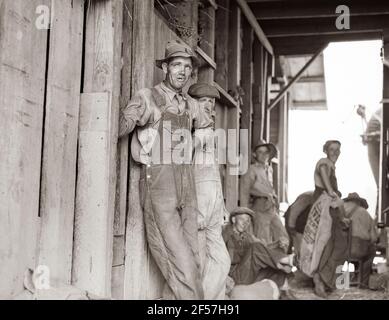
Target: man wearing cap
<point>215,258</point>
<point>256,192</point>
<point>251,259</point>
<point>162,118</point>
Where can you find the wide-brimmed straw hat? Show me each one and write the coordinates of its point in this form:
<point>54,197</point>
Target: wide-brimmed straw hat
<point>241,210</point>
<point>354,197</point>
<point>272,148</point>
<point>176,48</point>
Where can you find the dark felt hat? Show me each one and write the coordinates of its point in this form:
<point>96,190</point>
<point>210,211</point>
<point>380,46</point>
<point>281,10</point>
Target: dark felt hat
<point>241,210</point>
<point>199,90</point>
<point>272,148</point>
<point>176,48</point>
<point>354,197</point>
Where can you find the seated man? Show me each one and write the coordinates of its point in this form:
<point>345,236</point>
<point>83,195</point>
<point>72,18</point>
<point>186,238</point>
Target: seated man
<point>251,259</point>
<point>363,234</point>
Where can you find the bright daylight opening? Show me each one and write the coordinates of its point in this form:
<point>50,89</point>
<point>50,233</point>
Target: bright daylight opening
<point>353,73</point>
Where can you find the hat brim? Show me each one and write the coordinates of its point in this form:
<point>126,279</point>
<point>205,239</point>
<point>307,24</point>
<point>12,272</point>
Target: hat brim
<point>195,60</point>
<point>359,201</point>
<point>240,212</point>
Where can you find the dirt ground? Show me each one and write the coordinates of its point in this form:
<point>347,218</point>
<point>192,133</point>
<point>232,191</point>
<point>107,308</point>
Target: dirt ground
<point>303,289</point>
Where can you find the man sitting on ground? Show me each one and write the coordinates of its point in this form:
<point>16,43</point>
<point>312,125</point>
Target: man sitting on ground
<point>251,259</point>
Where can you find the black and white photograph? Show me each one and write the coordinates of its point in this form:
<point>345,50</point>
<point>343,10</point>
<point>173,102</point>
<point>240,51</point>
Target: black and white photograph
<point>171,150</point>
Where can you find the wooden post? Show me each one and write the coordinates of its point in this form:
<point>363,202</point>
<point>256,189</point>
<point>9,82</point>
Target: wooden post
<point>60,139</point>
<point>119,227</point>
<point>283,149</point>
<point>384,154</point>
<point>137,263</point>
<point>99,119</point>
<point>22,85</point>
<point>232,180</point>
<point>246,84</point>
<point>257,92</point>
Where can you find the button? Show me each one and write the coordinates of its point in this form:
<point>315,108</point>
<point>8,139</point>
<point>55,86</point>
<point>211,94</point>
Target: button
<point>149,166</point>
<point>148,177</point>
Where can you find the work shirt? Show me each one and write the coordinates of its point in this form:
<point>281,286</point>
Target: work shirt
<point>144,113</point>
<point>258,179</point>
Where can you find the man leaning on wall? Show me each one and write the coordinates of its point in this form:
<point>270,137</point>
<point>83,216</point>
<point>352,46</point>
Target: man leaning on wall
<point>167,189</point>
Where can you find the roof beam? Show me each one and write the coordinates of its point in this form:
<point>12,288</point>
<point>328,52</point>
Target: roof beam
<point>254,24</point>
<point>321,9</point>
<point>322,26</point>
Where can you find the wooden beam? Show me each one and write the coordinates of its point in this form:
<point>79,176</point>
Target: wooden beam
<point>138,261</point>
<point>60,140</point>
<point>254,24</point>
<point>96,184</point>
<point>322,8</point>
<point>226,97</point>
<point>22,86</point>
<point>209,62</point>
<point>295,79</point>
<point>322,26</point>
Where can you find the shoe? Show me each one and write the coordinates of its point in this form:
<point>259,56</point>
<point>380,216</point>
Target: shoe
<point>319,289</point>
<point>287,295</point>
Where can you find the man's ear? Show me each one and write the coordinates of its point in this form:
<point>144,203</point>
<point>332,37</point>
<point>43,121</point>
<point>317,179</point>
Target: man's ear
<point>233,220</point>
<point>164,67</point>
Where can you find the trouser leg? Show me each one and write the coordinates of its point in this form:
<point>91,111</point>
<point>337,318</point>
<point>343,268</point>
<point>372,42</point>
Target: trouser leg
<point>216,264</point>
<point>172,234</point>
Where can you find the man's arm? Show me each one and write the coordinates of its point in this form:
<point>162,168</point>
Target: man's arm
<point>135,113</point>
<point>247,181</point>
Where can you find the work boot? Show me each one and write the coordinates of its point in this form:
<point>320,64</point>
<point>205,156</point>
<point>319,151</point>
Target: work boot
<point>319,289</point>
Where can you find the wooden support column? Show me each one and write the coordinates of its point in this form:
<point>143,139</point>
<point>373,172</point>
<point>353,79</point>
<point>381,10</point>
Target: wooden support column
<point>137,264</point>
<point>246,84</point>
<point>231,178</point>
<point>257,92</point>
<point>99,119</point>
<point>22,85</point>
<point>384,154</point>
<point>119,227</point>
<point>283,149</point>
<point>60,139</point>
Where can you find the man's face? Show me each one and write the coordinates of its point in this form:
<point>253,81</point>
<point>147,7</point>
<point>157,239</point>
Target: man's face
<point>333,152</point>
<point>207,104</point>
<point>262,154</point>
<point>178,72</point>
<point>241,222</point>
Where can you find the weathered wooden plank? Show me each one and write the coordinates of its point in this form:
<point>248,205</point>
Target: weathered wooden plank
<point>22,83</point>
<point>96,185</point>
<point>117,282</point>
<point>137,275</point>
<point>118,251</point>
<point>207,43</point>
<point>60,140</point>
<point>92,240</point>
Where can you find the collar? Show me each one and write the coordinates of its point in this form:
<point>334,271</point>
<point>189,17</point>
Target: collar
<point>171,93</point>
<point>261,165</point>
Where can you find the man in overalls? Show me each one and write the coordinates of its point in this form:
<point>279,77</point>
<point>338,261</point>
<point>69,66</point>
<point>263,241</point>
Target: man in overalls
<point>163,117</point>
